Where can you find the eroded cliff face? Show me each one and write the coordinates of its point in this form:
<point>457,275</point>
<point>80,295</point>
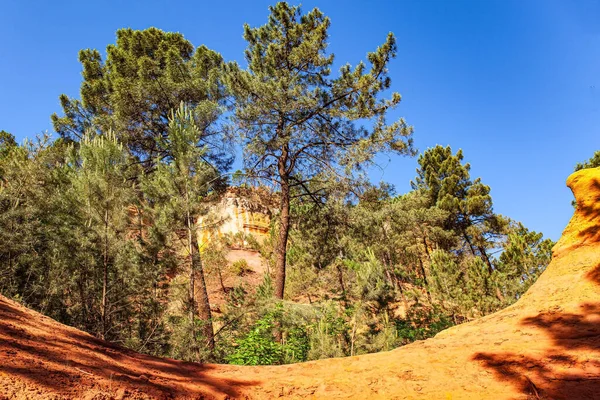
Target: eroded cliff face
<point>239,212</point>
<point>545,346</point>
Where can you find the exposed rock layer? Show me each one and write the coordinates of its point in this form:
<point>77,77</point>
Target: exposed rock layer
<point>239,211</point>
<point>547,345</point>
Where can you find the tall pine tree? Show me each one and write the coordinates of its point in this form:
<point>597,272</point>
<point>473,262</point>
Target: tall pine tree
<point>296,123</point>
<point>178,188</point>
<point>102,192</point>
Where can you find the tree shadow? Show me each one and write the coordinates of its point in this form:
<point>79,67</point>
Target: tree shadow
<point>569,368</point>
<point>55,358</point>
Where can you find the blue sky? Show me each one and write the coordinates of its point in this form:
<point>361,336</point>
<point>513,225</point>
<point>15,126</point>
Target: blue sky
<point>514,83</point>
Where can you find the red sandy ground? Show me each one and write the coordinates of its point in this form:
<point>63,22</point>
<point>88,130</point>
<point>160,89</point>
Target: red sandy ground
<point>546,346</point>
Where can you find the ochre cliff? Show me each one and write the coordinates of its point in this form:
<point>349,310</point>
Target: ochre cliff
<point>546,346</point>
<point>238,211</point>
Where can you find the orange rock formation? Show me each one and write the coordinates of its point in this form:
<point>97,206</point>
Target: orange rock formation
<point>239,211</point>
<point>546,346</point>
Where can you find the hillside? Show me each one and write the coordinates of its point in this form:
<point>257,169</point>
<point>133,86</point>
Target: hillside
<point>546,346</point>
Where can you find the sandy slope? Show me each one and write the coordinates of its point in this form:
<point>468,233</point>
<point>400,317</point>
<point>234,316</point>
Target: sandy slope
<point>545,346</point>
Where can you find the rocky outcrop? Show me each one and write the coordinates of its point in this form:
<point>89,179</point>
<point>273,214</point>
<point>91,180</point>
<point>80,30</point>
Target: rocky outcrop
<point>238,211</point>
<point>545,346</point>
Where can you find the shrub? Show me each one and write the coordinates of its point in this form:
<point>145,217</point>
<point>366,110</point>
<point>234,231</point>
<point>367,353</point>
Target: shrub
<point>422,323</point>
<point>258,347</point>
<point>241,267</point>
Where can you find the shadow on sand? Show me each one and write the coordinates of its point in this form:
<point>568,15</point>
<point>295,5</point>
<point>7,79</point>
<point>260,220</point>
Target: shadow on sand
<point>562,372</point>
<point>71,358</point>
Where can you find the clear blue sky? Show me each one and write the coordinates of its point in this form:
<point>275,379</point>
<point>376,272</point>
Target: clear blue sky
<point>515,84</point>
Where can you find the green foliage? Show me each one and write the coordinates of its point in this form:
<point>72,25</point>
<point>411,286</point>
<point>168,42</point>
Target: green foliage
<point>100,195</point>
<point>177,189</point>
<point>448,184</point>
<point>241,240</point>
<point>183,179</point>
<point>422,323</point>
<point>327,334</point>
<point>32,216</point>
<point>146,74</point>
<point>591,163</point>
<point>296,345</point>
<point>462,285</point>
<point>186,340</point>
<point>372,284</point>
<point>259,346</point>
<point>241,267</point>
<point>429,255</point>
<point>524,257</point>
<point>73,255</point>
<point>264,291</point>
<point>378,273</point>
<point>215,261</point>
<point>7,143</point>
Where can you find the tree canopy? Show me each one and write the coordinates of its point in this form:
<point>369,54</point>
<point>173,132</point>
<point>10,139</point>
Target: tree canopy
<point>146,74</point>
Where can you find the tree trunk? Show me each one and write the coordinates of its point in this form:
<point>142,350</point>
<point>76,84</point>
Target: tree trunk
<point>223,288</point>
<point>281,248</point>
<point>104,275</point>
<point>82,295</point>
<point>469,243</point>
<point>340,271</point>
<point>423,271</point>
<point>203,305</point>
<point>341,280</point>
<point>486,259</point>
<point>498,293</point>
<point>192,287</point>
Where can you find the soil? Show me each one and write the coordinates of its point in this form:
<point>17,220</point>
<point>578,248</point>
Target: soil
<point>545,346</point>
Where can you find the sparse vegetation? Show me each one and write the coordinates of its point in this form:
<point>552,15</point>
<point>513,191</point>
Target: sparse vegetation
<point>591,163</point>
<point>240,267</point>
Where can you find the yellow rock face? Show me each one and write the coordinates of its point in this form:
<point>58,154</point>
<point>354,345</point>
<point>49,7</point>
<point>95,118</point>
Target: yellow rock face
<point>235,213</point>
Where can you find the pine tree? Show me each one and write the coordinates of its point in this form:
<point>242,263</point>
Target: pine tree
<point>419,231</point>
<point>524,257</point>
<point>296,123</point>
<point>447,182</point>
<point>146,74</point>
<point>178,188</point>
<point>30,187</point>
<point>101,194</point>
<point>17,216</point>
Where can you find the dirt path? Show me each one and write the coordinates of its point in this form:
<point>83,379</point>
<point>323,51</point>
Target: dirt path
<point>546,346</point>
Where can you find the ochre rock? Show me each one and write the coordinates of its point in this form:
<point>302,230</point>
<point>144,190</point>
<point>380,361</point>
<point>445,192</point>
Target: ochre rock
<point>546,346</point>
<point>238,211</point>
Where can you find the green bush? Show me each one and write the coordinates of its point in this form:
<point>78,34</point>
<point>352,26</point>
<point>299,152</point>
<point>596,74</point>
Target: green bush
<point>259,346</point>
<point>296,346</point>
<point>422,323</point>
<point>241,267</point>
<point>241,240</point>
